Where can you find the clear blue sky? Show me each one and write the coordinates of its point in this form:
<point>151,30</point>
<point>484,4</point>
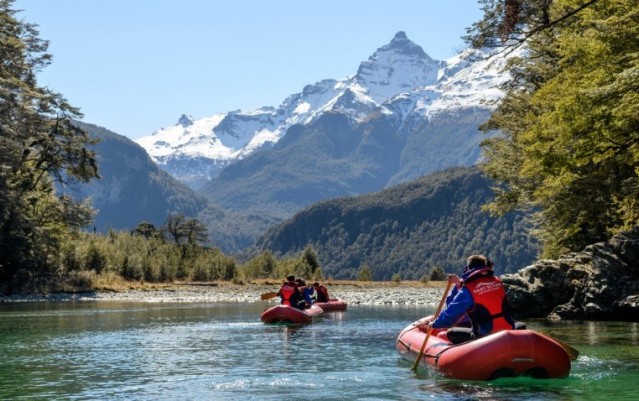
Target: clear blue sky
<point>134,66</point>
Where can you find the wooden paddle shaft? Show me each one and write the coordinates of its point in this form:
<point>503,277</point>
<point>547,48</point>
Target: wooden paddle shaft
<point>430,329</point>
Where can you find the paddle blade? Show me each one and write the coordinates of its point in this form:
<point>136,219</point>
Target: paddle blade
<point>572,353</point>
<point>268,295</point>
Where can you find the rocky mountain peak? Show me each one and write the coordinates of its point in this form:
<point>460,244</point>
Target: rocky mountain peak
<point>185,120</point>
<point>399,77</point>
<point>398,67</point>
<point>402,45</point>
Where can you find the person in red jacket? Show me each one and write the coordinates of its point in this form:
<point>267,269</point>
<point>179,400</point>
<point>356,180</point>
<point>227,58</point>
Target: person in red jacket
<point>321,291</point>
<point>289,292</point>
<point>482,297</point>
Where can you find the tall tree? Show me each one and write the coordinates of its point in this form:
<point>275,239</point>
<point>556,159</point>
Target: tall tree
<point>196,232</point>
<point>40,147</point>
<point>185,231</point>
<point>569,143</point>
<point>174,227</point>
<point>310,257</point>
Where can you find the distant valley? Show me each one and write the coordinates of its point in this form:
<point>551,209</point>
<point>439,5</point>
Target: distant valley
<point>401,117</point>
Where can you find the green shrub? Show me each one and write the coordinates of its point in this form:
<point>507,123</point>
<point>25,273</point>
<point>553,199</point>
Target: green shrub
<point>437,274</point>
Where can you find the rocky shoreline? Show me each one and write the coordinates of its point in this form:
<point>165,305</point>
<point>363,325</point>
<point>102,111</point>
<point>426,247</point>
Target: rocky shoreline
<point>599,283</point>
<point>369,294</point>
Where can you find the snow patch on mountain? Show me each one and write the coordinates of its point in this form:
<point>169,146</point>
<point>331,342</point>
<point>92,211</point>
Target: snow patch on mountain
<point>469,79</point>
<point>399,78</point>
<point>193,139</point>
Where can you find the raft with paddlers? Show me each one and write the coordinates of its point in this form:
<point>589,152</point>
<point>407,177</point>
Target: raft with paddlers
<point>289,314</point>
<point>503,354</point>
<point>333,305</point>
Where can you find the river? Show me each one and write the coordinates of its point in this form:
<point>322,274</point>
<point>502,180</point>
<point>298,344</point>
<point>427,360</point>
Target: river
<point>108,350</point>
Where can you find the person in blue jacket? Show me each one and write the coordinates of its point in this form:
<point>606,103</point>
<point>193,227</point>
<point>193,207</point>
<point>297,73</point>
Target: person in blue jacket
<point>307,292</point>
<point>464,320</point>
<point>479,297</point>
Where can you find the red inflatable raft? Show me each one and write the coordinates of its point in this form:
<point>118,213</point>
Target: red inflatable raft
<point>503,354</point>
<point>332,305</point>
<point>288,314</point>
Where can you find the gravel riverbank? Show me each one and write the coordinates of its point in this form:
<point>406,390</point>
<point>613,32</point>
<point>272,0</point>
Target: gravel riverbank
<point>354,294</point>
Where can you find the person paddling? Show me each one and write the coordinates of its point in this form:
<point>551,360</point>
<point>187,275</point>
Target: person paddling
<point>464,320</point>
<point>306,292</point>
<point>481,296</point>
<point>289,292</point>
<point>322,292</point>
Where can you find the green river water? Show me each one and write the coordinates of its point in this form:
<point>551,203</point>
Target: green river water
<point>109,350</point>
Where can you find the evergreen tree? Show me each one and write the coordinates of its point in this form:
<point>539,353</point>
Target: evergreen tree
<point>310,257</point>
<point>365,273</point>
<point>437,274</point>
<point>196,233</point>
<point>146,230</point>
<point>41,148</point>
<point>568,148</point>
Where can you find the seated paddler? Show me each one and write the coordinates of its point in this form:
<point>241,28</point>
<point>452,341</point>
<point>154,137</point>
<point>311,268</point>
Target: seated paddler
<point>482,297</point>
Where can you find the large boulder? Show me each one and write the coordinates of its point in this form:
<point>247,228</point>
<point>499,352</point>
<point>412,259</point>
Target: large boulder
<point>599,283</point>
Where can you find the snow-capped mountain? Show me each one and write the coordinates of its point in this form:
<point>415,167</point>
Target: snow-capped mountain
<point>399,80</point>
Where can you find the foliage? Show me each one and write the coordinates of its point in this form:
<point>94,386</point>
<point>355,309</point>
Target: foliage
<point>305,265</point>
<point>132,187</point>
<point>139,258</point>
<point>147,230</point>
<point>183,230</point>
<point>310,257</point>
<point>365,273</point>
<point>40,147</point>
<point>569,149</point>
<point>263,265</point>
<point>437,274</point>
<point>435,220</point>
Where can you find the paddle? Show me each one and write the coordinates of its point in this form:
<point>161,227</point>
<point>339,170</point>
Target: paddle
<point>268,295</point>
<point>572,353</point>
<point>430,329</point>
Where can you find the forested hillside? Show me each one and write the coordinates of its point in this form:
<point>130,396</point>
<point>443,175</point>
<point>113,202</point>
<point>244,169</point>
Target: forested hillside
<point>131,188</point>
<point>408,229</point>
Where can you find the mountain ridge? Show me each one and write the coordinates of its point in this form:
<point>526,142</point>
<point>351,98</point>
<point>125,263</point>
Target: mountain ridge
<point>435,220</point>
<point>399,78</point>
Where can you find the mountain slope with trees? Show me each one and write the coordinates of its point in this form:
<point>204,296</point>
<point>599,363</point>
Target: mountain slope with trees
<point>434,221</point>
<point>131,188</point>
<point>337,156</point>
<point>403,115</point>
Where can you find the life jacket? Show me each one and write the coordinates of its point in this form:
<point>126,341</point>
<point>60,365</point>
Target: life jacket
<point>491,311</point>
<point>289,294</point>
<point>322,293</point>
